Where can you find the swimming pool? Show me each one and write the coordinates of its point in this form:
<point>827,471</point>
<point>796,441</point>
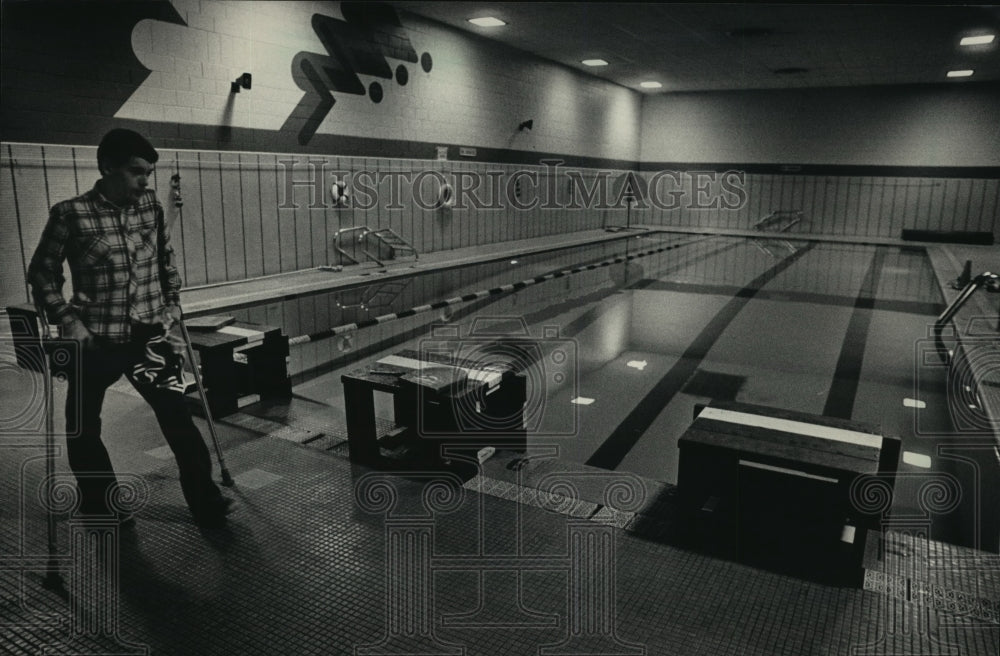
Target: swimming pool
<point>652,324</point>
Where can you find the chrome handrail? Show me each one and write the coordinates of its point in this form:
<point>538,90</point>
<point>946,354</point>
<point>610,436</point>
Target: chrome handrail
<point>378,234</point>
<point>989,281</point>
<point>336,242</point>
<point>777,216</point>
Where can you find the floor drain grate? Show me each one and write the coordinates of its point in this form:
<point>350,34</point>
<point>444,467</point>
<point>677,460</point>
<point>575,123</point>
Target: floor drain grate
<point>932,595</point>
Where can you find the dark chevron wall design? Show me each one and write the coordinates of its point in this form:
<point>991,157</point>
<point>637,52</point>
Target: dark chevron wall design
<point>357,45</point>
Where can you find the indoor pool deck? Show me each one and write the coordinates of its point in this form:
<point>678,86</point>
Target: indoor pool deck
<point>325,557</point>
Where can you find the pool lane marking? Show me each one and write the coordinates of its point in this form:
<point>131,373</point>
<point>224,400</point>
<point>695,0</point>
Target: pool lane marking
<point>544,314</point>
<point>495,291</point>
<point>470,309</point>
<point>610,454</point>
<point>846,374</point>
<point>922,308</point>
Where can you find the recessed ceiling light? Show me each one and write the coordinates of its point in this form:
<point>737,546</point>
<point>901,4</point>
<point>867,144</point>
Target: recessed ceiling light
<point>650,85</point>
<point>980,40</point>
<point>594,62</point>
<point>487,21</point>
<point>965,73</point>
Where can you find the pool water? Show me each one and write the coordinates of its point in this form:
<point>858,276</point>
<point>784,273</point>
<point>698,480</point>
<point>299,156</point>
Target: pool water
<point>831,329</point>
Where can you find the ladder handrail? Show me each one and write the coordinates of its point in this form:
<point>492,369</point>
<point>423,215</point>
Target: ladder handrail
<point>378,234</point>
<point>775,217</point>
<point>778,215</point>
<point>390,288</point>
<point>336,242</point>
<point>987,280</point>
<point>402,245</point>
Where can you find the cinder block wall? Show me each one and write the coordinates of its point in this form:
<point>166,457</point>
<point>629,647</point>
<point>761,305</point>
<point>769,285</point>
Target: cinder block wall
<point>394,84</point>
<point>343,89</point>
<point>338,89</point>
<point>864,162</point>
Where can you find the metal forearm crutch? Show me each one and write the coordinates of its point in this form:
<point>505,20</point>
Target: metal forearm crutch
<point>227,480</point>
<point>53,579</point>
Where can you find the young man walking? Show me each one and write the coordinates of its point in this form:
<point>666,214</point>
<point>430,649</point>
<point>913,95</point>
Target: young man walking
<point>122,314</point>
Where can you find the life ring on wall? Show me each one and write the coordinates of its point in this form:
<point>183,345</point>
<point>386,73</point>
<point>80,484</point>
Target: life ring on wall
<point>446,196</point>
<point>340,193</point>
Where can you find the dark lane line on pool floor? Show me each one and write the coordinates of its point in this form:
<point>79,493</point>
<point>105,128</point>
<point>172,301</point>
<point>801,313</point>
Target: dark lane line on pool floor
<point>921,308</point>
<point>614,449</point>
<point>847,373</point>
<point>470,308</point>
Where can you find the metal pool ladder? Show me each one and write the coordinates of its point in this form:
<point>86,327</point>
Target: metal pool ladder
<point>383,237</point>
<point>778,221</point>
<point>373,297</point>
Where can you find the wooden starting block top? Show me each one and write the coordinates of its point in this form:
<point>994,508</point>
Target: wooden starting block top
<point>234,335</point>
<point>386,373</point>
<point>782,437</point>
<point>410,360</point>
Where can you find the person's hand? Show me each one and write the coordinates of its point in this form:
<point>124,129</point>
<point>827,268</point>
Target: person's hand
<point>76,331</point>
<point>176,340</point>
<point>171,317</point>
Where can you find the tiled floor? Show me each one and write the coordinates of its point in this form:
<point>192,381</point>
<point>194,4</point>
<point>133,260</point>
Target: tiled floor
<point>324,557</point>
<point>535,556</point>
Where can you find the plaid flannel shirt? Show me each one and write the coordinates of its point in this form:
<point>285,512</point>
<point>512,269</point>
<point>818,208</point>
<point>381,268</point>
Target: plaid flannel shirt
<point>122,265</point>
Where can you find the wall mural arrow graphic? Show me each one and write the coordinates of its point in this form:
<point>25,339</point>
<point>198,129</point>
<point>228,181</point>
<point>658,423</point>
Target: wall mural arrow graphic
<point>355,46</point>
<point>359,45</point>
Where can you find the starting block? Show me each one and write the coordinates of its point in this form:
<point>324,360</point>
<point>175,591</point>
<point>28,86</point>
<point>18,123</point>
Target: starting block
<point>772,487</point>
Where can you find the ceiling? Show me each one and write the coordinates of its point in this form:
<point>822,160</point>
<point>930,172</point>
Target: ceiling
<point>699,47</point>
